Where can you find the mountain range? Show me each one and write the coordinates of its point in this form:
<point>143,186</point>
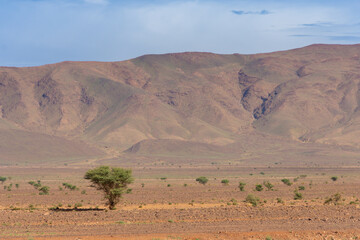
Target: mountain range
<point>190,105</point>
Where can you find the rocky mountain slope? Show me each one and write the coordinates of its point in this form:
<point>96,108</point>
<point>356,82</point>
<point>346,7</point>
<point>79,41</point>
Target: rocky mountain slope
<point>199,101</point>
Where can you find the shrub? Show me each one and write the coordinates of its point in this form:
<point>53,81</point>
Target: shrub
<point>334,178</point>
<point>112,181</point>
<point>242,186</point>
<point>268,185</point>
<point>279,200</point>
<point>36,185</point>
<point>301,188</point>
<point>297,195</point>
<point>202,180</point>
<point>17,185</point>
<point>253,200</point>
<point>77,205</point>
<point>44,190</point>
<point>334,199</point>
<point>69,186</point>
<point>225,182</point>
<point>233,201</point>
<point>286,181</point>
<point>2,179</point>
<point>259,187</point>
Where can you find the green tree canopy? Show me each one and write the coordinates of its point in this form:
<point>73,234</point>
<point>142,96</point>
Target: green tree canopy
<point>112,181</point>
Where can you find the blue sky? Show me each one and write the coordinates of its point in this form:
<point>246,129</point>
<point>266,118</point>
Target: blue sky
<point>36,32</point>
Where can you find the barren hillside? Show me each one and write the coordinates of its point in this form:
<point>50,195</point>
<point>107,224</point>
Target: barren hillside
<point>203,103</point>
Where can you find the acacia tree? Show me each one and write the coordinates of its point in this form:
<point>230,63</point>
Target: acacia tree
<point>112,181</point>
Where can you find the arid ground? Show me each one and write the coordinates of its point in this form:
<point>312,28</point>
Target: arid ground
<point>180,208</point>
<point>172,118</point>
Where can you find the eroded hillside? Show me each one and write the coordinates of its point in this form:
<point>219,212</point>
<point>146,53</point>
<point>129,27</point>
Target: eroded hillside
<point>203,101</point>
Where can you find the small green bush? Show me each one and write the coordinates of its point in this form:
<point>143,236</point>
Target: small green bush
<point>225,182</point>
<point>259,187</point>
<point>242,186</point>
<point>233,201</point>
<point>44,190</point>
<point>2,179</point>
<point>37,185</point>
<point>69,186</point>
<point>77,205</point>
<point>253,200</point>
<point>286,181</point>
<point>268,185</point>
<point>297,195</point>
<point>334,199</point>
<point>202,180</point>
<point>334,178</point>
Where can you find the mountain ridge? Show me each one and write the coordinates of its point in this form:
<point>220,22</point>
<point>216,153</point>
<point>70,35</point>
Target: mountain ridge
<point>308,94</point>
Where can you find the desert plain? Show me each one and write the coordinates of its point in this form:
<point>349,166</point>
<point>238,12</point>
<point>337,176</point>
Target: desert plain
<point>178,207</point>
<point>255,119</point>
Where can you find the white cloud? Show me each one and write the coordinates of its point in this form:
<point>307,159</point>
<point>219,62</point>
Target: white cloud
<point>102,2</point>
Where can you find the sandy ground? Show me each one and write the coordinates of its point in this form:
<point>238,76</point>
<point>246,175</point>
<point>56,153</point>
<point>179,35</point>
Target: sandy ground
<point>180,208</point>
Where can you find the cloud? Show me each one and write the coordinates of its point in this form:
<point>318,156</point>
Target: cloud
<point>302,35</point>
<point>340,38</point>
<point>240,12</point>
<point>101,2</point>
<point>344,38</point>
<point>318,24</point>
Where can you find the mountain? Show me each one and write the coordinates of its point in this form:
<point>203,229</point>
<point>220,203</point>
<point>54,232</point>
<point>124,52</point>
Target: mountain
<point>198,104</point>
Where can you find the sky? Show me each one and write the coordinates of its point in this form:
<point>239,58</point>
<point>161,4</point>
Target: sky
<point>37,32</point>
